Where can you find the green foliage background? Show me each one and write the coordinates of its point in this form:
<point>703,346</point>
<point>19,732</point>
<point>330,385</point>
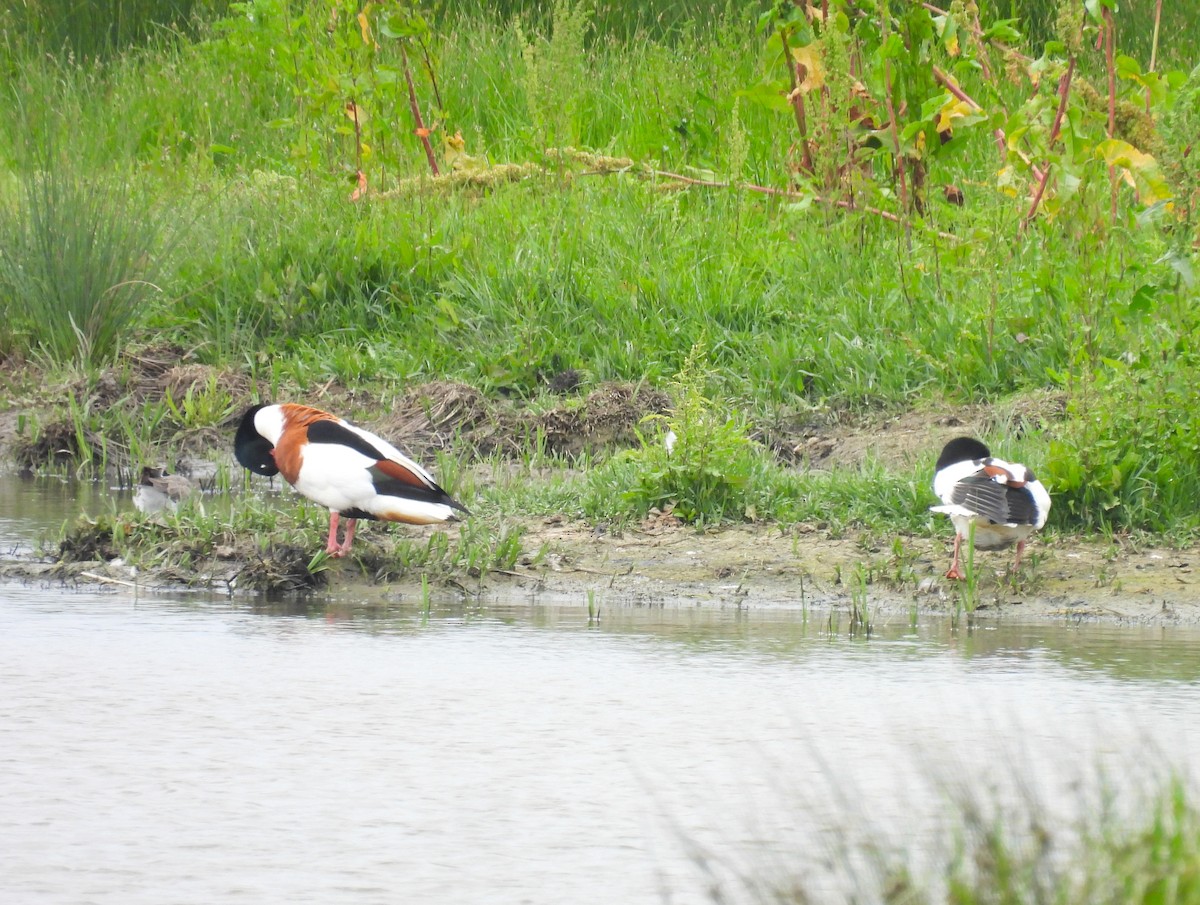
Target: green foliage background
<point>227,130</point>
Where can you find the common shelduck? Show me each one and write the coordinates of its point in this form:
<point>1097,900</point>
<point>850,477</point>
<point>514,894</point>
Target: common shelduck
<point>351,471</point>
<point>1003,500</point>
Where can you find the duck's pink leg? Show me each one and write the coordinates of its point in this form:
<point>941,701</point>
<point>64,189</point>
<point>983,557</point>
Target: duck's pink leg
<point>331,545</point>
<point>1017,559</point>
<point>955,572</point>
<point>351,524</point>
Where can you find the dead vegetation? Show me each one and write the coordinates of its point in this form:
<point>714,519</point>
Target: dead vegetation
<point>443,414</point>
<point>909,439</point>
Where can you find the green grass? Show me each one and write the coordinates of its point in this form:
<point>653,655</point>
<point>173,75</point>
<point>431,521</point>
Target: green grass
<point>254,542</point>
<point>806,312</point>
<point>83,254</point>
<point>1002,857</point>
<point>88,29</point>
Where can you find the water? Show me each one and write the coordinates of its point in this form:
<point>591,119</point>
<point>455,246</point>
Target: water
<point>187,749</point>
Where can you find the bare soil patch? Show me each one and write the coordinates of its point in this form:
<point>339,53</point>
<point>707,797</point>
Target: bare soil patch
<point>761,566</point>
<point>660,563</point>
<point>911,440</point>
<point>746,566</point>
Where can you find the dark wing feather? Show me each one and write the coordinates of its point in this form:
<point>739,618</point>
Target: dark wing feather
<point>326,431</point>
<point>1021,508</point>
<point>393,479</point>
<point>996,502</point>
<point>389,478</point>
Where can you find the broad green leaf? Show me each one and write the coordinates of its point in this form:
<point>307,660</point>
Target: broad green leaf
<point>1003,30</point>
<point>891,49</point>
<point>800,34</point>
<point>1128,67</point>
<point>400,25</point>
<point>1181,263</point>
<point>1143,301</point>
<point>769,94</point>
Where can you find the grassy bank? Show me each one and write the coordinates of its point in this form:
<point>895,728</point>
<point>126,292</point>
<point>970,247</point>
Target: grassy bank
<point>292,242</point>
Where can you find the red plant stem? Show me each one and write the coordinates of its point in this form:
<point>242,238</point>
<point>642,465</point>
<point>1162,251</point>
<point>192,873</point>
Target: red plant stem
<point>357,136</point>
<point>422,132</point>
<point>981,52</point>
<point>797,101</point>
<point>437,94</point>
<point>1110,42</point>
<point>952,86</point>
<point>1154,45</point>
<point>891,110</point>
<point>1064,87</point>
<point>787,193</point>
<point>1001,139</point>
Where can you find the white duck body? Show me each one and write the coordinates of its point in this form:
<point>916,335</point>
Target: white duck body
<point>351,471</point>
<point>1004,500</point>
<point>358,474</point>
<point>345,480</point>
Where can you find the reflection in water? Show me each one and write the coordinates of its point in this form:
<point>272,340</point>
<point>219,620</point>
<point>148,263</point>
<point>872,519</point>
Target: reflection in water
<point>341,752</point>
<point>32,509</point>
<point>1140,651</point>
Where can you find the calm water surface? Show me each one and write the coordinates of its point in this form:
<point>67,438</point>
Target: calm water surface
<point>187,749</point>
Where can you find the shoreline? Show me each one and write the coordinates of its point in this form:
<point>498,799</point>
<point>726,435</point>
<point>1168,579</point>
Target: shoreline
<point>744,567</point>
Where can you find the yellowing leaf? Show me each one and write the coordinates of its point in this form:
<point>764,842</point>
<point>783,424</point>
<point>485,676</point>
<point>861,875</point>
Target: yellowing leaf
<point>814,73</point>
<point>1138,168</point>
<point>1117,153</point>
<point>365,24</point>
<point>953,109</point>
<point>455,156</point>
<point>1006,181</point>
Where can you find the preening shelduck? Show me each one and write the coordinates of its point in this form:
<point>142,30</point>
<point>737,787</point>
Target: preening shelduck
<point>1003,500</point>
<point>351,471</point>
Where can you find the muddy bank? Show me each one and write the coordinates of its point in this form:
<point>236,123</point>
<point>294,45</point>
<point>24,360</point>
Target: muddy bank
<point>749,566</point>
<point>659,563</point>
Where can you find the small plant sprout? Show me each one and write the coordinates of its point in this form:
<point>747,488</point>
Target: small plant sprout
<point>969,598</point>
<point>860,616</point>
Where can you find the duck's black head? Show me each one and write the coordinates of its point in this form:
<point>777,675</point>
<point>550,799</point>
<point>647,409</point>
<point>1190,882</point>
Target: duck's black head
<point>961,449</point>
<point>252,449</point>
